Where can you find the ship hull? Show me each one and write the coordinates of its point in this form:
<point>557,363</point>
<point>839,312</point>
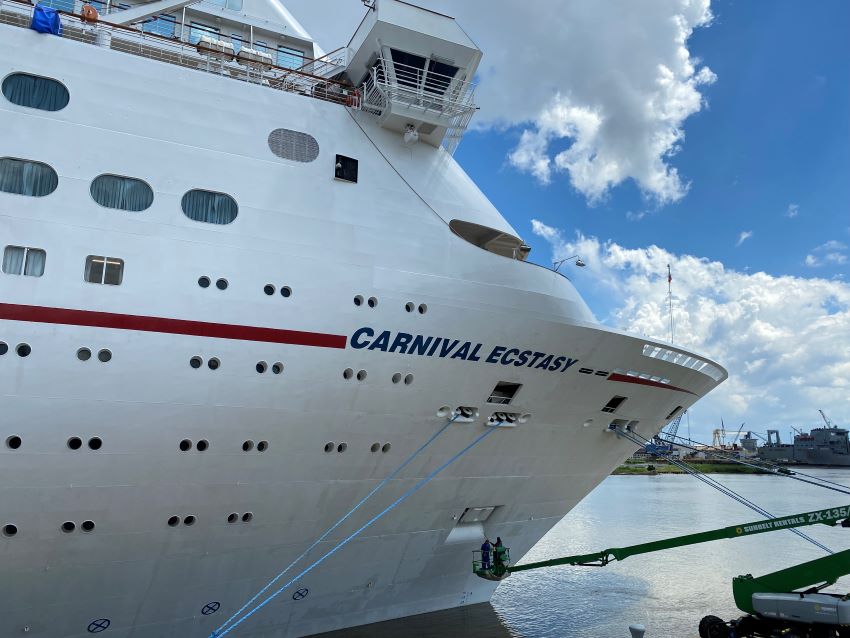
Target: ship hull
<point>136,575</point>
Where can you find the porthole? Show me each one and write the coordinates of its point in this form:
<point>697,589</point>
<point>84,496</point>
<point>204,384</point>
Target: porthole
<point>372,302</point>
<point>25,177</point>
<point>423,309</point>
<point>342,447</point>
<point>221,284</point>
<point>358,300</point>
<point>87,526</point>
<point>268,289</point>
<point>213,364</point>
<point>261,367</point>
<point>13,442</point>
<point>185,445</point>
<point>247,517</point>
<point>232,518</point>
<point>209,207</point>
<point>375,447</point>
<point>262,446</point>
<point>35,92</point>
<point>277,368</point>
<point>83,354</point>
<point>361,375</point>
<point>196,362</point>
<point>3,348</point>
<point>409,306</point>
<point>202,445</point>
<point>386,448</point>
<point>122,193</point>
<point>247,446</point>
<point>104,356</point>
<point>95,443</point>
<point>204,282</point>
<point>189,520</point>
<point>286,291</point>
<point>69,526</point>
<point>397,377</point>
<point>75,443</point>
<point>329,446</point>
<point>408,379</point>
<point>347,373</point>
<point>10,530</point>
<point>173,521</point>
<point>23,350</point>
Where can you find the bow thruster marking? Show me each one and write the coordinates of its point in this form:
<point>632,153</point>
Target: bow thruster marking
<point>211,608</point>
<point>301,593</point>
<point>101,624</point>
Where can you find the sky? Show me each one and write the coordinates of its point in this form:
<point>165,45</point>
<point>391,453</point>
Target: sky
<point>711,136</point>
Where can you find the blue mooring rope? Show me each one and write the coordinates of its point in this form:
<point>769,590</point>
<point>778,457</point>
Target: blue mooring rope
<point>330,530</point>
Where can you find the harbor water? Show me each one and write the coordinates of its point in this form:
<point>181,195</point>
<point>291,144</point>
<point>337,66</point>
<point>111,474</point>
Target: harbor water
<point>667,592</point>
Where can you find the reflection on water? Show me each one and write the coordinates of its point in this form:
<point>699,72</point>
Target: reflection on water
<point>668,592</point>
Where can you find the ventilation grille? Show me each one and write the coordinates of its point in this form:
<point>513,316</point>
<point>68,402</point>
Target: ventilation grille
<point>293,145</point>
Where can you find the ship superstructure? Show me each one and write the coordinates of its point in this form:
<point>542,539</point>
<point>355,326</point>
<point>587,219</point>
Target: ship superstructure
<point>242,281</point>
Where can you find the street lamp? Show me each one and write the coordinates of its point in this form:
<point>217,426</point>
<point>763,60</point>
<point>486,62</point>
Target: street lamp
<point>556,266</point>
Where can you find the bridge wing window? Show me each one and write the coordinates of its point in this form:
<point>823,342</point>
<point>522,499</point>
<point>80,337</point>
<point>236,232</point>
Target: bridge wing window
<point>23,177</point>
<point>123,193</point>
<point>490,239</point>
<point>209,207</point>
<point>35,92</point>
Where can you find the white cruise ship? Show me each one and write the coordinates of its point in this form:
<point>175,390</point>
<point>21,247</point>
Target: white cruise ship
<point>243,282</point>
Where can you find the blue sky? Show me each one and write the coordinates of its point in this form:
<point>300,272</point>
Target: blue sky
<point>776,132</point>
<point>713,136</point>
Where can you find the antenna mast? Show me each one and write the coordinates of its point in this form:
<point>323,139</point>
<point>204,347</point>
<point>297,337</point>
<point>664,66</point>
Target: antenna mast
<point>670,299</point>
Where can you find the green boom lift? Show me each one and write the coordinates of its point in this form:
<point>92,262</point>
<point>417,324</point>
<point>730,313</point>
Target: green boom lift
<point>773,603</point>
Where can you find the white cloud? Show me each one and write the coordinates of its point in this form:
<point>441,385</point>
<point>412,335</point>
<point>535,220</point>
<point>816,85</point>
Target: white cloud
<point>785,359</point>
<point>744,236</point>
<point>601,89</point>
<point>830,252</point>
<point>792,211</point>
<point>633,216</point>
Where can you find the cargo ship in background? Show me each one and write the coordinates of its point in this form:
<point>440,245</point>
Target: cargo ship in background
<point>243,281</point>
<point>827,446</point>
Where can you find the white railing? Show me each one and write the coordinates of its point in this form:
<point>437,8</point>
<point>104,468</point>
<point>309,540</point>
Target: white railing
<point>175,51</point>
<point>416,88</point>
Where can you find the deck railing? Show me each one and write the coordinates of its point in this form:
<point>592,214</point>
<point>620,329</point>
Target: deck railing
<point>177,52</point>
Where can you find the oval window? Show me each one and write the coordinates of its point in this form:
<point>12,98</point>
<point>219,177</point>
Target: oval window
<point>123,193</point>
<point>35,92</point>
<point>293,145</point>
<point>209,207</point>
<point>23,177</point>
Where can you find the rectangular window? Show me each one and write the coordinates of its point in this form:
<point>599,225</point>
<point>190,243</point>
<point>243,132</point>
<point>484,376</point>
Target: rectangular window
<point>345,168</point>
<point>104,270</point>
<point>289,58</point>
<point>259,45</point>
<point>613,404</point>
<point>236,41</point>
<point>60,5</point>
<point>22,260</point>
<point>504,392</point>
<point>198,29</point>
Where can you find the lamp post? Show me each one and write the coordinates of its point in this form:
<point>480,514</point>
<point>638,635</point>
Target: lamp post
<point>556,266</point>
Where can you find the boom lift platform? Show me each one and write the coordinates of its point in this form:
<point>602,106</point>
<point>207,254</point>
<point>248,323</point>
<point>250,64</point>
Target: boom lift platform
<point>773,604</point>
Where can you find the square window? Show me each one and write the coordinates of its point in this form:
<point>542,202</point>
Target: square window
<point>22,260</point>
<point>613,404</point>
<point>104,270</point>
<point>346,169</point>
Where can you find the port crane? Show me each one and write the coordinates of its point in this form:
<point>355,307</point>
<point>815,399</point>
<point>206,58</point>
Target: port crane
<point>772,602</point>
<point>826,420</point>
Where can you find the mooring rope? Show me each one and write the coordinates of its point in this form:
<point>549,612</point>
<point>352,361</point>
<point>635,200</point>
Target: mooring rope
<point>330,530</point>
<point>354,534</point>
<point>636,438</point>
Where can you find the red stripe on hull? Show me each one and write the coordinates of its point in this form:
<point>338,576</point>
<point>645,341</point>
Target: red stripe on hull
<point>92,319</point>
<point>655,384</point>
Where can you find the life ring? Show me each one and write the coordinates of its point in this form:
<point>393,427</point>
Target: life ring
<point>88,13</point>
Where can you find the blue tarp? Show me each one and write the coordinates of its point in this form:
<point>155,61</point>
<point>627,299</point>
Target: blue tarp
<point>46,20</point>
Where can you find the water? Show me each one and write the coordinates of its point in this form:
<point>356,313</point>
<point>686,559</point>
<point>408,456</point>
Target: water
<point>668,592</point>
